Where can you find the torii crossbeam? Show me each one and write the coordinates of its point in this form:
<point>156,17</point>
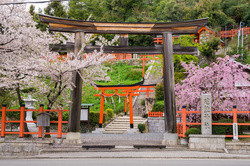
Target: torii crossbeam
<point>165,29</point>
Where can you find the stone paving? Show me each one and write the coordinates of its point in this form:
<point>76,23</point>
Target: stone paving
<point>147,154</point>
<point>123,139</point>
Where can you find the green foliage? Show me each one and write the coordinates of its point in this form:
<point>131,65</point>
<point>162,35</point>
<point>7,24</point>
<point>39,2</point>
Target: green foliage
<point>158,106</point>
<point>143,102</point>
<point>110,113</point>
<point>227,130</point>
<point>141,40</point>
<point>94,117</point>
<point>192,131</point>
<point>208,47</point>
<point>55,8</point>
<point>141,127</point>
<point>159,91</point>
<point>119,109</point>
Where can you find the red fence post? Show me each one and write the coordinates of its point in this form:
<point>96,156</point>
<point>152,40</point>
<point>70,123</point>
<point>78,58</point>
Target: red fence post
<point>184,120</point>
<point>3,121</point>
<point>40,128</point>
<point>60,116</point>
<point>234,114</point>
<point>22,115</point>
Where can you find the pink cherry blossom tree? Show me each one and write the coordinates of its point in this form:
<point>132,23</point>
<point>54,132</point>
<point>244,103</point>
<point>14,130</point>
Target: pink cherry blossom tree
<point>226,80</point>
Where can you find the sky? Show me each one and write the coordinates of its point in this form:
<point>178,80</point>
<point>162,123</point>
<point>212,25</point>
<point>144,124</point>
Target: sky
<point>38,5</point>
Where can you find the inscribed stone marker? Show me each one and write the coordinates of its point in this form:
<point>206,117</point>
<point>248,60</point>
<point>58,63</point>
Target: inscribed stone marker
<point>206,114</point>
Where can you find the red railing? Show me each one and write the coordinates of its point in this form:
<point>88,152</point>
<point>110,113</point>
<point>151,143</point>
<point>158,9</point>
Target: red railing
<point>155,114</point>
<point>22,120</point>
<point>234,32</point>
<point>183,126</point>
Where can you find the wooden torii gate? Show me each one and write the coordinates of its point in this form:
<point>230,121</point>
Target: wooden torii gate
<point>167,49</point>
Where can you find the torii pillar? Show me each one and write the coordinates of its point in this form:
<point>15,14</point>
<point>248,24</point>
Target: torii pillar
<point>170,135</point>
<point>74,135</point>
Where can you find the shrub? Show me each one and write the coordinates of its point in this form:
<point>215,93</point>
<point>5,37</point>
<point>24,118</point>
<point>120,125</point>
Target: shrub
<point>159,92</point>
<point>119,109</point>
<point>94,117</point>
<point>143,102</point>
<point>141,127</point>
<point>133,75</point>
<point>158,106</point>
<point>110,113</point>
<point>227,130</point>
<point>192,131</point>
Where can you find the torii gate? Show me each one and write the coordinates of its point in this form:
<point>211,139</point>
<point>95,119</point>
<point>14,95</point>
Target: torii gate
<point>167,49</point>
<point>126,91</point>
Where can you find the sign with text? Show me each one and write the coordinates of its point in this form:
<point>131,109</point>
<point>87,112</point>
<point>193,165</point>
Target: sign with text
<point>206,114</point>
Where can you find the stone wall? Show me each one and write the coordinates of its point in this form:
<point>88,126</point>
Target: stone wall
<point>22,148</point>
<point>238,147</point>
<point>156,125</point>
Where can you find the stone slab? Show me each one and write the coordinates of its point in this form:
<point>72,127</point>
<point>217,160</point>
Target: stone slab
<point>156,125</point>
<point>170,139</point>
<point>207,142</point>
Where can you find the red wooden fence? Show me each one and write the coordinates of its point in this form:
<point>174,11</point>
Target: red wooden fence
<point>184,125</point>
<point>22,121</point>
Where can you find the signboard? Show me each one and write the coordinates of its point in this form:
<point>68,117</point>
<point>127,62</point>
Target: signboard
<point>235,131</point>
<point>84,114</point>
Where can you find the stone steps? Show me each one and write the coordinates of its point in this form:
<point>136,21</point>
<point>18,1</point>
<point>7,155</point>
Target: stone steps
<point>121,124</point>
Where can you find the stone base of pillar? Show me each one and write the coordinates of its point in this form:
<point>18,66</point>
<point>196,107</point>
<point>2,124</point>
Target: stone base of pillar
<point>98,131</point>
<point>73,138</point>
<point>132,131</point>
<point>207,142</point>
<point>170,139</point>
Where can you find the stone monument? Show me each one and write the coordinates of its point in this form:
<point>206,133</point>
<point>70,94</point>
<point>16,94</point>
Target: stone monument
<point>206,141</point>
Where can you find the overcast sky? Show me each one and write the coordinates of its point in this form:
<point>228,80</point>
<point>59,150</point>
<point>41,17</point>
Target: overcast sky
<point>38,5</point>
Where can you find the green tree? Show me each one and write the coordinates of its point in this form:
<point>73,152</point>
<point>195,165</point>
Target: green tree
<point>55,8</point>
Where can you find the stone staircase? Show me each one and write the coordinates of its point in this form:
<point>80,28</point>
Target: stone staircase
<point>121,124</point>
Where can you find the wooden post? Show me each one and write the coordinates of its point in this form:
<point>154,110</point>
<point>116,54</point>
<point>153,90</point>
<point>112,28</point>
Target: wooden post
<point>131,110</point>
<point>3,121</point>
<point>22,115</point>
<point>60,117</point>
<point>126,102</point>
<point>123,40</point>
<point>184,120</point>
<point>101,111</point>
<point>76,93</point>
<point>168,77</point>
<point>40,128</point>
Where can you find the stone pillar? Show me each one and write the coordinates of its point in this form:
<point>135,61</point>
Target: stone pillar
<point>206,114</point>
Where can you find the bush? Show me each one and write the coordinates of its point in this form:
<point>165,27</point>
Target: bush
<point>227,130</point>
<point>133,75</point>
<point>158,106</point>
<point>143,102</point>
<point>159,92</point>
<point>141,127</point>
<point>192,131</point>
<point>94,117</point>
<point>110,113</point>
<point>119,109</point>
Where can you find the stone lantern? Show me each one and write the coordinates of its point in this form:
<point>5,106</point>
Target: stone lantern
<point>29,104</point>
